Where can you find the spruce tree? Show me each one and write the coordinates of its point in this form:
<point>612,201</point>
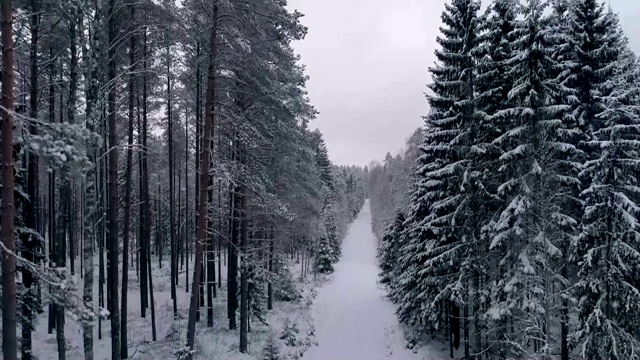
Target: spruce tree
<point>389,249</point>
<point>431,262</point>
<point>493,84</point>
<point>539,168</point>
<point>607,248</point>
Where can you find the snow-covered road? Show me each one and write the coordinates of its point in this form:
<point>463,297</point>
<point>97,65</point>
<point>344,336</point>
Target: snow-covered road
<point>353,319</point>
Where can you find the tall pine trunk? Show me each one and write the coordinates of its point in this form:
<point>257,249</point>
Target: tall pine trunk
<point>71,112</point>
<point>52,190</point>
<point>154,336</point>
<point>60,244</point>
<point>232,268</point>
<point>9,313</point>
<point>172,231</point>
<point>244,281</point>
<point>124,351</point>
<point>204,179</point>
<point>187,209</point>
<point>113,188</point>
<point>219,227</point>
<point>210,256</point>
<point>91,194</point>
<point>145,216</point>
<point>270,268</point>
<point>31,212</point>
<point>179,242</point>
<point>198,137</point>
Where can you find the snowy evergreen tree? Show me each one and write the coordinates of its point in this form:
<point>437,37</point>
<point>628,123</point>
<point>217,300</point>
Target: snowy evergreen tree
<point>326,256</point>
<point>608,247</point>
<point>539,170</point>
<point>494,82</point>
<point>431,290</point>
<point>256,289</point>
<point>501,240</point>
<point>271,350</point>
<point>389,249</point>
<point>328,243</point>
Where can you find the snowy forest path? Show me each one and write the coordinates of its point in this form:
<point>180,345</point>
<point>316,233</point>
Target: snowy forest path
<point>353,318</point>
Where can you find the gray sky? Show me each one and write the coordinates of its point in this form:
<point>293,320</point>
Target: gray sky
<point>368,61</point>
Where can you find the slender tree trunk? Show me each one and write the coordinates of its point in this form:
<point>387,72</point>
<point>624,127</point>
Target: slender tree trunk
<point>9,308</point>
<point>455,325</point>
<point>211,266</point>
<point>91,194</point>
<point>219,229</point>
<point>204,176</point>
<point>477,331</point>
<point>61,264</point>
<point>113,189</point>
<point>103,197</point>
<point>187,209</point>
<point>199,142</point>
<point>269,284</point>
<point>301,255</point>
<point>179,242</point>
<point>211,276</point>
<point>244,281</point>
<point>465,328</point>
<point>564,316</point>
<point>140,230</point>
<point>153,306</point>
<point>145,216</point>
<point>31,212</point>
<point>52,190</point>
<point>159,236</point>
<point>146,201</point>
<point>101,234</point>
<point>232,268</point>
<point>71,112</point>
<point>172,232</point>
<point>124,351</point>
<point>198,127</point>
<point>70,224</point>
<point>89,238</point>
<point>61,239</point>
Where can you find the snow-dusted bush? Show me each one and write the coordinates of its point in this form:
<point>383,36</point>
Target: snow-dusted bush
<point>284,288</point>
<point>271,350</point>
<point>290,333</point>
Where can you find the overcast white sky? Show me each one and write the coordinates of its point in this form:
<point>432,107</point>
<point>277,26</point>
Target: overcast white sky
<point>368,61</point>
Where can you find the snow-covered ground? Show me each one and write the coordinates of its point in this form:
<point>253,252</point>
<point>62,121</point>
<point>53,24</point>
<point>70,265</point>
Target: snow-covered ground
<point>353,318</point>
<point>349,318</point>
<point>217,342</point>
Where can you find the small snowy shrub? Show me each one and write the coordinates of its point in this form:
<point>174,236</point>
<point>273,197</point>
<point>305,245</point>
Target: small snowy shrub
<point>182,352</point>
<point>257,279</point>
<point>284,288</point>
<point>271,349</point>
<point>290,333</point>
